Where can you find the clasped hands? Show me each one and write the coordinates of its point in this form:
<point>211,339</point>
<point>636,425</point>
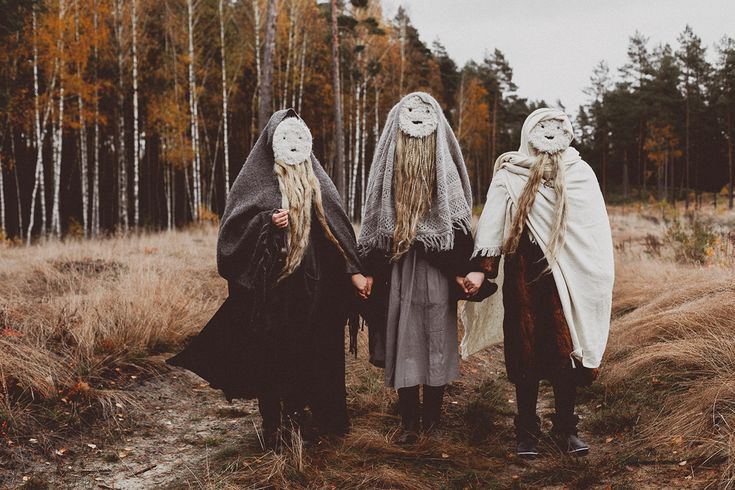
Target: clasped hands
<point>471,283</point>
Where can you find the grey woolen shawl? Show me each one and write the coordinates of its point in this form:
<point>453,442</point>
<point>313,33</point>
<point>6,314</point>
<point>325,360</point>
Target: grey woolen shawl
<point>452,204</point>
<point>255,191</point>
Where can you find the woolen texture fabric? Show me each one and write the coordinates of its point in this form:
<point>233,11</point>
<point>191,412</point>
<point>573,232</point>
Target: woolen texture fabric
<point>452,204</point>
<point>584,270</point>
<point>256,190</point>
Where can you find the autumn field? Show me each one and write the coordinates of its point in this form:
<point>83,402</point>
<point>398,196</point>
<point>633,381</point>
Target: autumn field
<point>87,402</point>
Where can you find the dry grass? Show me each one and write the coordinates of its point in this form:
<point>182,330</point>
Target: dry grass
<point>76,319</point>
<point>75,315</point>
<point>672,352</point>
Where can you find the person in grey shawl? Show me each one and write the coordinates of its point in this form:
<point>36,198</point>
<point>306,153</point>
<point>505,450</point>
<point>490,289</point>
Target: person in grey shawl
<point>416,244</point>
<point>288,253</point>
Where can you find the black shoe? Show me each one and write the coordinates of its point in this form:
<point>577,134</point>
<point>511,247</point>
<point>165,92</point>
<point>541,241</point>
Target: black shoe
<point>272,440</point>
<point>572,445</point>
<point>409,408</point>
<point>432,407</point>
<point>527,447</point>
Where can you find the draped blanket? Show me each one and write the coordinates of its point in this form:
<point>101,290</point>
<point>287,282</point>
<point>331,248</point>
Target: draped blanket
<point>255,191</point>
<point>452,204</point>
<point>584,271</point>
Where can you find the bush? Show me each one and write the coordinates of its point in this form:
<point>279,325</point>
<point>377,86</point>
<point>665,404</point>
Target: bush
<point>693,242</point>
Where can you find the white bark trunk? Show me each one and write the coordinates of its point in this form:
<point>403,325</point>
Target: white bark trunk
<point>301,72</point>
<point>254,100</point>
<point>225,127</point>
<point>38,185</point>
<point>194,111</point>
<point>58,140</point>
<point>83,174</point>
<point>96,152</point>
<point>122,176</point>
<point>363,144</point>
<point>136,131</point>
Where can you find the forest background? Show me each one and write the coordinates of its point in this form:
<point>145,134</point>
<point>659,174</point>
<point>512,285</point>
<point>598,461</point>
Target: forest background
<point>130,114</point>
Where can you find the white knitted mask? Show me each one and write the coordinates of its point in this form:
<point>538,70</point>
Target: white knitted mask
<point>292,141</point>
<point>417,118</point>
<point>550,136</point>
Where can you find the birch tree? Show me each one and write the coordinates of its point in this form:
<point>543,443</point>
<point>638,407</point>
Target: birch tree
<point>136,131</point>
<point>58,138</point>
<point>226,135</point>
<point>122,175</point>
<point>194,113</point>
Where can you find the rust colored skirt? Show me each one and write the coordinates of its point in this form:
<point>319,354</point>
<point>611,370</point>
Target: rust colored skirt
<point>537,342</point>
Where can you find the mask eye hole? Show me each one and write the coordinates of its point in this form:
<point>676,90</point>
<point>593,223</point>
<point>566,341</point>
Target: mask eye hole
<point>410,110</point>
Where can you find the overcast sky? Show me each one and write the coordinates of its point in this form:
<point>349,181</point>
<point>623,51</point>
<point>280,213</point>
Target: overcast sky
<point>552,45</point>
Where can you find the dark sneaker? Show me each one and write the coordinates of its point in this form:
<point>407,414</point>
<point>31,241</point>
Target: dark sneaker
<point>572,445</point>
<point>527,447</point>
<point>408,437</point>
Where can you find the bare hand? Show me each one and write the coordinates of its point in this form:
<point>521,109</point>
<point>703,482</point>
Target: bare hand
<point>473,282</point>
<point>280,218</point>
<point>361,285</point>
<point>462,283</point>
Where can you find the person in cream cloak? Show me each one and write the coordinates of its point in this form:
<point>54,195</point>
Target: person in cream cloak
<point>546,215</point>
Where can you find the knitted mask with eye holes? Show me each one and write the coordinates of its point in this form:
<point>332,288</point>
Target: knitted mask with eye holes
<point>292,142</point>
<point>550,136</point>
<point>417,118</point>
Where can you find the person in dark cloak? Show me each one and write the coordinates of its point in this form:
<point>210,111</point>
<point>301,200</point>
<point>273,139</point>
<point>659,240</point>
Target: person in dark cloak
<point>288,253</point>
<point>416,244</point>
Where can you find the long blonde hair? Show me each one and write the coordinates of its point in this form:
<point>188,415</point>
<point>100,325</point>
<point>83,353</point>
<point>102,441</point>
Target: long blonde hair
<point>301,189</point>
<point>414,183</point>
<point>548,170</point>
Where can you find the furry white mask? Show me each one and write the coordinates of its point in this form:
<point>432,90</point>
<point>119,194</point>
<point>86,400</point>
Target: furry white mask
<point>292,141</point>
<point>417,118</point>
<point>550,136</point>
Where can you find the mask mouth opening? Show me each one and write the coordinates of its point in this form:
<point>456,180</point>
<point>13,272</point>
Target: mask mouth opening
<point>417,122</point>
<point>549,137</point>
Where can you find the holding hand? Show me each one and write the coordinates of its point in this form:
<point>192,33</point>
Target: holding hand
<point>473,282</point>
<point>280,218</point>
<point>363,285</point>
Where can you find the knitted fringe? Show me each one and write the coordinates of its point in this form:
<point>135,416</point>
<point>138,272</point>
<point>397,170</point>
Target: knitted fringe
<point>436,243</point>
<point>487,252</point>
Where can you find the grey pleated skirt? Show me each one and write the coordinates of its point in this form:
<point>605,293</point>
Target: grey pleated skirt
<point>421,332</point>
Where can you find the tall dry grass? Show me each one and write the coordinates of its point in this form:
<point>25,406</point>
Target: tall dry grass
<point>72,313</point>
<point>672,343</point>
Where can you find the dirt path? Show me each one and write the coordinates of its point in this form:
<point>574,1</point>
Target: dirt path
<point>185,435</point>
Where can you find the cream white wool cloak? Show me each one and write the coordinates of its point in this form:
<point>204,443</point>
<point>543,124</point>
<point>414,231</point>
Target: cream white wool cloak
<point>584,270</point>
<point>452,205</point>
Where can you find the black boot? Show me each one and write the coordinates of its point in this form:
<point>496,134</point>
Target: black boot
<point>432,407</point>
<point>565,421</point>
<point>527,436</point>
<point>270,412</point>
<point>409,408</point>
<point>565,435</point>
<point>527,423</point>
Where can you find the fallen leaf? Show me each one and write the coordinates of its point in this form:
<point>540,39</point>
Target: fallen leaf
<point>445,455</point>
<point>683,463</point>
<point>61,451</point>
<point>92,446</point>
<point>33,441</point>
<point>609,440</point>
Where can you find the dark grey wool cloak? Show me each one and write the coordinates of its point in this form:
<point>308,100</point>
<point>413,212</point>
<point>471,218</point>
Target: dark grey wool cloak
<point>286,338</point>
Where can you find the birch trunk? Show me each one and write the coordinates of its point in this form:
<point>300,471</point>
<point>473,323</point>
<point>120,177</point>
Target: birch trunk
<point>363,144</point>
<point>339,158</point>
<point>136,132</point>
<point>58,140</point>
<point>122,176</point>
<point>96,151</point>
<point>83,177</point>
<point>226,136</point>
<point>254,100</point>
<point>39,185</point>
<point>194,111</point>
